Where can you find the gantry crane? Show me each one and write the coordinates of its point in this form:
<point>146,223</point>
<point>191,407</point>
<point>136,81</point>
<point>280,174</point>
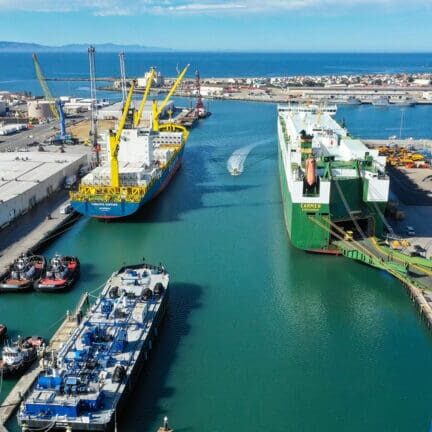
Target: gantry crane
<point>56,106</point>
<point>94,107</point>
<point>157,110</point>
<point>138,114</point>
<point>114,140</point>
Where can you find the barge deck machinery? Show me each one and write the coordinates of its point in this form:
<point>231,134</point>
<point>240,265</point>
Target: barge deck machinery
<point>327,179</point>
<point>84,384</point>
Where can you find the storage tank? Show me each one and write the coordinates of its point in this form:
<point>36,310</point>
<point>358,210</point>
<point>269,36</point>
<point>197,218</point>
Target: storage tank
<point>39,109</point>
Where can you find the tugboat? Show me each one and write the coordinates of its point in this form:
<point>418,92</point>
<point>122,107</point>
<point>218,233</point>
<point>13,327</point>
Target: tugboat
<point>23,273</point>
<point>61,273</point>
<point>36,342</point>
<point>16,359</point>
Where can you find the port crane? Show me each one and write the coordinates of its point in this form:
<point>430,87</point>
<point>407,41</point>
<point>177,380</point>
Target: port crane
<point>123,76</point>
<point>94,107</point>
<point>157,110</point>
<point>114,140</point>
<point>56,106</point>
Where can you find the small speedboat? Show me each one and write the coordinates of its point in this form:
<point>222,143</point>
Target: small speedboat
<point>235,171</point>
<point>61,273</point>
<point>16,359</point>
<point>23,273</point>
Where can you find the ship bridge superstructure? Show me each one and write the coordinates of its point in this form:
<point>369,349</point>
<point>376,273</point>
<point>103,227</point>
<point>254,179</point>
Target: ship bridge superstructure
<point>327,172</point>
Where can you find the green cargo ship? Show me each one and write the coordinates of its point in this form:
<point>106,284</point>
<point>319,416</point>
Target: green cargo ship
<point>330,182</point>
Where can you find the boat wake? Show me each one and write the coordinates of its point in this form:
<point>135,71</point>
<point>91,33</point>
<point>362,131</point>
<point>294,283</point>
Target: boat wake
<point>235,163</point>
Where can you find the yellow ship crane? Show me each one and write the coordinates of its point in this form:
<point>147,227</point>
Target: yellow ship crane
<point>138,114</point>
<point>48,96</point>
<point>157,110</point>
<point>114,141</point>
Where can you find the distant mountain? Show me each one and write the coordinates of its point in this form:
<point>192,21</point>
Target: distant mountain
<point>6,46</point>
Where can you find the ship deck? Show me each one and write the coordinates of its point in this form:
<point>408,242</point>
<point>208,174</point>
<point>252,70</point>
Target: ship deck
<point>126,318</point>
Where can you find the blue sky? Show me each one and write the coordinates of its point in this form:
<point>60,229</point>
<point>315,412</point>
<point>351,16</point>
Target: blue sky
<point>269,25</point>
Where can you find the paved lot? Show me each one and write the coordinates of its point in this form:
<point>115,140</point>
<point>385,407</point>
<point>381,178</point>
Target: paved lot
<point>413,188</point>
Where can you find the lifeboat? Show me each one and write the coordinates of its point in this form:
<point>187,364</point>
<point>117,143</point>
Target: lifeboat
<point>16,359</point>
<point>23,273</point>
<point>310,171</point>
<point>61,273</point>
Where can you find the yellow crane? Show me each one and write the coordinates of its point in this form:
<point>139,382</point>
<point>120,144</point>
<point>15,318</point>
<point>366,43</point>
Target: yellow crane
<point>157,110</point>
<point>138,114</point>
<point>114,140</point>
<point>48,96</point>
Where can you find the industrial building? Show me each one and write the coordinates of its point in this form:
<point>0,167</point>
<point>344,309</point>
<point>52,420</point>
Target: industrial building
<point>114,111</point>
<point>158,80</point>
<point>26,178</point>
<point>39,109</point>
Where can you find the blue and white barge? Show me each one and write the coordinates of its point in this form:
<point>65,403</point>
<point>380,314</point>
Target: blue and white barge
<point>85,383</point>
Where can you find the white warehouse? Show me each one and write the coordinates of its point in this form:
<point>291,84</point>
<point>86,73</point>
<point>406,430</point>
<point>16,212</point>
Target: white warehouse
<point>26,178</point>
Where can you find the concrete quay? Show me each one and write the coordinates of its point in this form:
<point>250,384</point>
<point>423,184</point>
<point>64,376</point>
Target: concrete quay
<point>419,144</point>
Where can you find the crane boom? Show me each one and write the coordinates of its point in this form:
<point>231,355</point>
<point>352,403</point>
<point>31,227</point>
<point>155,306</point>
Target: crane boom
<point>138,115</point>
<point>47,93</point>
<point>158,110</point>
<point>173,89</point>
<point>114,140</point>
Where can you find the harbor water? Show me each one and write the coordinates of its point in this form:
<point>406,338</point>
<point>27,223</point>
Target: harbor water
<point>258,336</point>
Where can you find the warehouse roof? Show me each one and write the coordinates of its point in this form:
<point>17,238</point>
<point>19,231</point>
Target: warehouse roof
<point>20,171</point>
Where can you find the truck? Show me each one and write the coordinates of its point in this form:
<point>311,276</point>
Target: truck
<point>70,181</point>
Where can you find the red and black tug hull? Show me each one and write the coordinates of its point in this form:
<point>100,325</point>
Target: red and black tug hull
<point>45,284</point>
<point>9,284</point>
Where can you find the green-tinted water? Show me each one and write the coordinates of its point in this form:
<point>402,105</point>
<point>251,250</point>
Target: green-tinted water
<point>259,336</point>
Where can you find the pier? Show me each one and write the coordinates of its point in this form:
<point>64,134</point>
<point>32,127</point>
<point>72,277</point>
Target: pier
<point>414,273</point>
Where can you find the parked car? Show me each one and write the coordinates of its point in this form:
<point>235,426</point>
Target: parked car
<point>66,209</point>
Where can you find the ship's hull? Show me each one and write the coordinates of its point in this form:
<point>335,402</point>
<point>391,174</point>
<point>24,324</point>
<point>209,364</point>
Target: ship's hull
<point>115,210</point>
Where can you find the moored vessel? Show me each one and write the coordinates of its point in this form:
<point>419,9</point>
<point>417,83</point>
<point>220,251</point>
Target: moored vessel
<point>381,101</point>
<point>60,274</point>
<point>138,161</point>
<point>85,384</point>
<point>16,359</point>
<point>329,181</point>
<point>23,273</point>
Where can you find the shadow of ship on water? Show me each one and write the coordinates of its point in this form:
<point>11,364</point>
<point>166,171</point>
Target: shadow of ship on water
<point>144,407</point>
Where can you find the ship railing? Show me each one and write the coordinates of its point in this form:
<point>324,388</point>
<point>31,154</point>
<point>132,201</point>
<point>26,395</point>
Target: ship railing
<point>109,193</point>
